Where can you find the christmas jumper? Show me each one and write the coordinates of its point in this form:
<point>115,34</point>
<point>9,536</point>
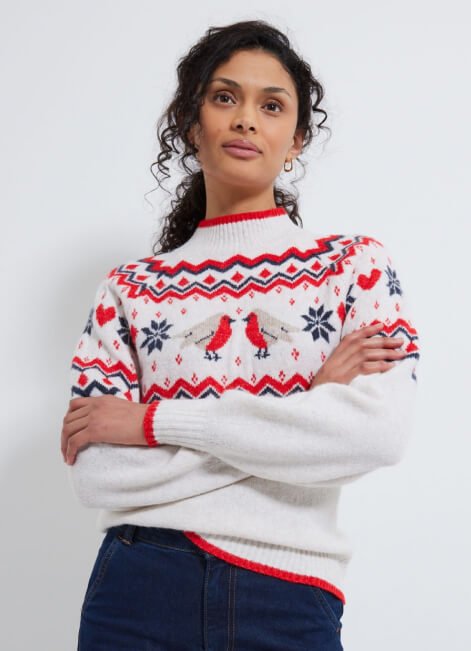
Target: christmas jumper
<point>222,337</point>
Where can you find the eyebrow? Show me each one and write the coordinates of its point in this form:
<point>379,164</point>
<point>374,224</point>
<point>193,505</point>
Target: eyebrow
<point>231,82</point>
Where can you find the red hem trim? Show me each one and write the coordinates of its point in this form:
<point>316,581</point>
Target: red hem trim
<point>261,568</point>
<point>240,216</point>
<point>148,424</point>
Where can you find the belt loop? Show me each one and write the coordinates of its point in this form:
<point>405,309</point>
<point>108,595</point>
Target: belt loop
<point>128,533</point>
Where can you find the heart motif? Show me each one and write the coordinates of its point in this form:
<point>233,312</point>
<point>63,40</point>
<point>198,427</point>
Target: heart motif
<point>368,282</point>
<point>103,315</point>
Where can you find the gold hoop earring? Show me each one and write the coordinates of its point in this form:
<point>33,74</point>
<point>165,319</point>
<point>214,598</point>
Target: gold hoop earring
<point>289,161</point>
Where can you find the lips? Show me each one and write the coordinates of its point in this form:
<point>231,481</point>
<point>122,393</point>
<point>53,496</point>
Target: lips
<point>242,144</point>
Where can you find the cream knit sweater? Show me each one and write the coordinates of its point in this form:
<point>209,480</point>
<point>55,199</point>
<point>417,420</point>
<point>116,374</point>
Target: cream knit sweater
<point>223,337</point>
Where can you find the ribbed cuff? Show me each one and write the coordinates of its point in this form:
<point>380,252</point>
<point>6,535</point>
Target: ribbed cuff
<point>184,422</point>
<point>148,424</point>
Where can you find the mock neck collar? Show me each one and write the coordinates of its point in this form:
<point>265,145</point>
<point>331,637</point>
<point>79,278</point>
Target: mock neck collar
<point>243,229</point>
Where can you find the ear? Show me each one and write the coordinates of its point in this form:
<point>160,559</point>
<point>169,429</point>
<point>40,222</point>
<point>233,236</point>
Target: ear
<point>192,135</point>
<point>297,146</point>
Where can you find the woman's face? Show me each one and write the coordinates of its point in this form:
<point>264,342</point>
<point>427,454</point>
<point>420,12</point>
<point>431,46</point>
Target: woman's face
<point>248,107</point>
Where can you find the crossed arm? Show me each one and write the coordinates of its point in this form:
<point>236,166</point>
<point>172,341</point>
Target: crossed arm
<point>328,435</point>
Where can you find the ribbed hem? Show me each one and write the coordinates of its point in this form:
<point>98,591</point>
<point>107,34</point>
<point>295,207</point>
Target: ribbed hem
<point>299,566</point>
<point>327,571</point>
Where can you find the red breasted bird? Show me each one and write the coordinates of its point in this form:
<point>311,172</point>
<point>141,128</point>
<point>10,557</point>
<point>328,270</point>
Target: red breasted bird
<point>209,335</point>
<point>263,330</point>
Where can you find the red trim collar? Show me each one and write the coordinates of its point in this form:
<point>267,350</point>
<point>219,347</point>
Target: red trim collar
<point>241,216</point>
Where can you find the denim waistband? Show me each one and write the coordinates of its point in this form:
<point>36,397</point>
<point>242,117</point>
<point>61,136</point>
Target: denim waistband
<point>174,538</point>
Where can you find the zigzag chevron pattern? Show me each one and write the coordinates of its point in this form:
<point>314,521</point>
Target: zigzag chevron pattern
<point>261,273</point>
<point>116,378</point>
<point>164,280</point>
<point>266,385</point>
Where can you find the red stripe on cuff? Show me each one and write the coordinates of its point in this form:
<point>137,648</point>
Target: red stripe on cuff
<point>148,424</point>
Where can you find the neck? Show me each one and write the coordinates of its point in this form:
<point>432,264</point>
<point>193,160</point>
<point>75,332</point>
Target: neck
<point>240,230</point>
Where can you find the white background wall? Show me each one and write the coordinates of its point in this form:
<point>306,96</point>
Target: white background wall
<point>82,84</point>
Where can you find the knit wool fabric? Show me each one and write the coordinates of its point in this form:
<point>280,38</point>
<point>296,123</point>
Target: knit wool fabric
<point>222,337</point>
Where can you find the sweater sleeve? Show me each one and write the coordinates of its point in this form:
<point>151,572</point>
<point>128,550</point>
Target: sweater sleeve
<point>117,476</point>
<point>327,435</point>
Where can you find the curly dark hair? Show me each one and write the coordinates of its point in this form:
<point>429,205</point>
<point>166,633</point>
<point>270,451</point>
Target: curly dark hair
<point>194,70</point>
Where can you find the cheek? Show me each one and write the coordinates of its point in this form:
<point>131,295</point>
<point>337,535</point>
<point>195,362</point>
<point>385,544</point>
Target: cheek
<point>212,124</point>
<point>209,139</point>
<point>279,139</point>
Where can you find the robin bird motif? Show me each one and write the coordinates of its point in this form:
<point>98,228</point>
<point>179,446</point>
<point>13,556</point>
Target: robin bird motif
<point>209,335</point>
<point>263,330</point>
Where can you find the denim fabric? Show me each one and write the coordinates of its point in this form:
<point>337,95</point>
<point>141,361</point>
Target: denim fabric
<point>152,589</point>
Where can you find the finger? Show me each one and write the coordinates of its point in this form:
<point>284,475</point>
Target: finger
<point>72,429</point>
<point>76,403</point>
<point>379,366</point>
<point>346,355</point>
<point>382,341</point>
<point>71,426</point>
<point>74,445</point>
<point>80,412</point>
<point>360,354</point>
<point>357,335</point>
<point>373,358</point>
<point>368,331</point>
<point>381,353</point>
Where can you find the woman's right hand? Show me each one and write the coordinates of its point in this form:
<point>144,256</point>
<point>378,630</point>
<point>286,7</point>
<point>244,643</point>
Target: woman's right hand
<point>359,352</point>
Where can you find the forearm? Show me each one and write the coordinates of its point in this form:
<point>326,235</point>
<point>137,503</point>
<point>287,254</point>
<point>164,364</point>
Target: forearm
<point>328,435</point>
<point>121,477</point>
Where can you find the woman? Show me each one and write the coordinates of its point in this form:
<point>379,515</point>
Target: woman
<point>220,514</point>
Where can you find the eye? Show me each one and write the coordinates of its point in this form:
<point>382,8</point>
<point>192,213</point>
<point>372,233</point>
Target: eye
<point>221,95</point>
<point>275,104</point>
<point>229,97</point>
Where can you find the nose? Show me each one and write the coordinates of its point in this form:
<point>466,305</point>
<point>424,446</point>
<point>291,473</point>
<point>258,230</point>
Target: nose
<point>245,123</point>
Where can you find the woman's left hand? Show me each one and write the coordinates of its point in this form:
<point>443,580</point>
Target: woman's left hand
<point>101,419</point>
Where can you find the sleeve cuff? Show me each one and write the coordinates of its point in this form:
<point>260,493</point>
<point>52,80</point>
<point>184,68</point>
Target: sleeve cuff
<point>148,424</point>
<point>184,422</point>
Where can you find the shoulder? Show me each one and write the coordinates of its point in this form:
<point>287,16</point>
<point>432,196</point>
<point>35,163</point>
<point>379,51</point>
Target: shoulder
<point>353,244</point>
<point>124,280</point>
<point>374,266</point>
<point>370,251</point>
<point>132,266</point>
<point>132,271</point>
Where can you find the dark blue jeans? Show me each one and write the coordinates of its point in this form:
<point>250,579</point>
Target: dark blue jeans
<point>152,589</point>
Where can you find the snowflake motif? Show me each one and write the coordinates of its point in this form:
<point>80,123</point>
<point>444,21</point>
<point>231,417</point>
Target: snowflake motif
<point>124,333</point>
<point>393,282</point>
<point>318,323</point>
<point>89,325</point>
<point>155,335</point>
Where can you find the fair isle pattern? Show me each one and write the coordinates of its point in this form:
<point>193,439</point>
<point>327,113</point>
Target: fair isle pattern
<point>238,275</point>
<point>256,305</point>
<point>161,283</point>
<point>100,375</point>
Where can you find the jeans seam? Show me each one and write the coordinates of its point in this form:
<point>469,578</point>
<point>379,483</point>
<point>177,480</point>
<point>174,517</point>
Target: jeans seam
<point>205,603</point>
<point>101,572</point>
<point>326,606</point>
<point>158,544</point>
<point>231,609</point>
